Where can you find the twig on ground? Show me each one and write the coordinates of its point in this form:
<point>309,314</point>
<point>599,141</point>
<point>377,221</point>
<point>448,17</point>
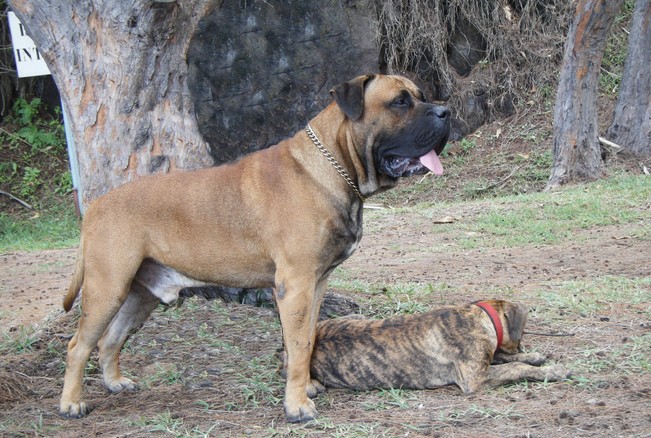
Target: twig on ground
<point>547,334</point>
<point>609,144</point>
<point>18,200</point>
<point>502,181</point>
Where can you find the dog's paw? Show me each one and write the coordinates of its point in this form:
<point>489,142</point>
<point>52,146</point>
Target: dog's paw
<point>74,409</point>
<point>314,388</point>
<point>302,413</point>
<point>121,384</point>
<point>535,359</point>
<point>554,373</point>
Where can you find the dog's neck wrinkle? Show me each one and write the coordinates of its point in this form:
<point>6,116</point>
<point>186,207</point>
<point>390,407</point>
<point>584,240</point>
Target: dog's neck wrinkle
<point>323,175</point>
<point>333,116</point>
<point>336,142</point>
<point>350,160</point>
<point>361,169</point>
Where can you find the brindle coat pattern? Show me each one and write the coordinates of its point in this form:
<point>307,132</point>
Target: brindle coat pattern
<point>447,345</point>
<point>281,217</point>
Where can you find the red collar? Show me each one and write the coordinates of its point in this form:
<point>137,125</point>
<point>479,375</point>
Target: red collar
<point>495,319</point>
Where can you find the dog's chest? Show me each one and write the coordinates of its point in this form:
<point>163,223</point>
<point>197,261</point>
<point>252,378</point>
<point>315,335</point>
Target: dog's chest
<point>345,237</point>
<point>352,247</point>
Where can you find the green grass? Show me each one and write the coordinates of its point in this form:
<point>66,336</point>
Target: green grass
<point>541,218</point>
<point>261,384</point>
<point>536,219</point>
<point>475,413</point>
<point>520,220</point>
<point>30,426</point>
<point>324,426</point>
<point>19,342</point>
<point>53,228</point>
<point>167,374</point>
<point>602,294</point>
<point>390,399</point>
<point>631,358</point>
<point>548,218</point>
<point>382,300</point>
<point>169,424</point>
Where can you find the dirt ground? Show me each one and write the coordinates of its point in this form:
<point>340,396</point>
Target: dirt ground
<point>209,368</point>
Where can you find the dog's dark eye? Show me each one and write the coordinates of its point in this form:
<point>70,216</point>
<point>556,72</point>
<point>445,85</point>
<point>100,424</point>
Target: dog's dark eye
<point>401,102</point>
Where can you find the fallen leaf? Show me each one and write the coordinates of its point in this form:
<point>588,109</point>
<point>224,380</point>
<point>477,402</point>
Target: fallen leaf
<point>444,220</point>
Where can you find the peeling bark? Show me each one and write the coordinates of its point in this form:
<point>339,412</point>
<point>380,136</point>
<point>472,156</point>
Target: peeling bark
<point>631,125</point>
<point>577,155</point>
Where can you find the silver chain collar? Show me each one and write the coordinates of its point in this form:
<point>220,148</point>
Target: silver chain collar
<point>338,167</point>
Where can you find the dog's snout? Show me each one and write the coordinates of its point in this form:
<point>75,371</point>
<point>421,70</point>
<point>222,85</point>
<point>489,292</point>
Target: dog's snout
<point>440,112</point>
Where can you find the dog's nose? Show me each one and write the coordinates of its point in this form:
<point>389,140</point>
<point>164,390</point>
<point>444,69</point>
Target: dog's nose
<point>442,112</point>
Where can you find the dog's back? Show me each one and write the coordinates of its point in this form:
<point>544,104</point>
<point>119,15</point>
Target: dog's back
<point>414,351</point>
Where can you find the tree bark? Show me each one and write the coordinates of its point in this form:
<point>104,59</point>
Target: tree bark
<point>121,70</point>
<point>576,151</point>
<point>631,125</point>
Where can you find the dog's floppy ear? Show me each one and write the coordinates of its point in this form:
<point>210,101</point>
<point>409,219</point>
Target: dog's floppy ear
<point>350,96</point>
<point>516,314</point>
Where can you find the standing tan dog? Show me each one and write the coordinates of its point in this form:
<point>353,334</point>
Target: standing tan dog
<point>284,217</point>
<point>460,345</point>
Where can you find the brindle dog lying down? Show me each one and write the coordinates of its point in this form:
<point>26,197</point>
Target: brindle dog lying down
<point>472,345</point>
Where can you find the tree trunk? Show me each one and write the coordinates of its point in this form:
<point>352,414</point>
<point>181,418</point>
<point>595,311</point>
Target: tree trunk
<point>631,125</point>
<point>576,148</point>
<point>121,70</point>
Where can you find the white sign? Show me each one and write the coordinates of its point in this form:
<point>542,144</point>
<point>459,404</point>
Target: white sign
<point>28,58</point>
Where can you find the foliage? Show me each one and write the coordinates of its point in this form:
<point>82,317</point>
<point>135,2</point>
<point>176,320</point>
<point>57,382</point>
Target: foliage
<point>612,65</point>
<point>41,132</point>
<point>34,167</point>
<point>33,161</point>
<point>34,153</point>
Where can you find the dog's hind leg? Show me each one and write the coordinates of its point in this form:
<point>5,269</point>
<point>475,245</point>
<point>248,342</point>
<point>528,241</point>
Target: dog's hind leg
<point>152,284</point>
<point>92,324</point>
<point>135,310</point>
<point>470,375</point>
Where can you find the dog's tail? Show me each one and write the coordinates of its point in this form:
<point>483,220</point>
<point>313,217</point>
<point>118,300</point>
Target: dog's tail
<point>77,279</point>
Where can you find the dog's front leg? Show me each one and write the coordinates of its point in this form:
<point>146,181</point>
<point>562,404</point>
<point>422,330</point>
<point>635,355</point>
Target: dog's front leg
<point>514,371</point>
<point>536,359</point>
<point>298,301</point>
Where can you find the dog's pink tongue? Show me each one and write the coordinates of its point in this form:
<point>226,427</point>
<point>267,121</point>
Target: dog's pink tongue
<point>432,162</point>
